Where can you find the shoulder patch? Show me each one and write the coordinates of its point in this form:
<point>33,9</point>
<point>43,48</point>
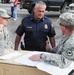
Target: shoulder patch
<point>69,52</point>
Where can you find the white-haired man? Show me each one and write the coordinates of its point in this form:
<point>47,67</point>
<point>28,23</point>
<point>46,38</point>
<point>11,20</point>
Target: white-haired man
<point>36,28</point>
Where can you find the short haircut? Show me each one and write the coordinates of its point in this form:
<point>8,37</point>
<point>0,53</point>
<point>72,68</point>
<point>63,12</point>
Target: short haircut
<point>40,3</point>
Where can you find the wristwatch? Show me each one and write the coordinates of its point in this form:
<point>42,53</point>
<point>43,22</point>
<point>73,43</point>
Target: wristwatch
<point>43,56</point>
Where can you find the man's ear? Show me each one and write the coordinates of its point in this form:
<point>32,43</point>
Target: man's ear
<point>33,9</point>
<point>64,28</point>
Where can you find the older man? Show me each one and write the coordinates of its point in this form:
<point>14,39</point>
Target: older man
<point>4,34</point>
<point>63,54</point>
<point>36,28</point>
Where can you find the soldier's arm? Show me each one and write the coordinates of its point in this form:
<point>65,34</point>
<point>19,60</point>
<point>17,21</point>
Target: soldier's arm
<point>51,58</point>
<point>1,40</point>
<point>1,36</point>
<point>7,39</point>
<point>55,59</point>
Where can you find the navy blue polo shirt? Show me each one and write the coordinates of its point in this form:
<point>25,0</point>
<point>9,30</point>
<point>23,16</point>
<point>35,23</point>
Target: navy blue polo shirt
<point>36,32</point>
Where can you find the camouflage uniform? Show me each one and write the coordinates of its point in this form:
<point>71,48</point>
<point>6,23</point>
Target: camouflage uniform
<point>63,54</point>
<point>4,35</point>
<point>5,41</point>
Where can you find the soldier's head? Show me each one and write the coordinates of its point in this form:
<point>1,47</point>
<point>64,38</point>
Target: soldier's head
<point>66,21</point>
<point>4,17</point>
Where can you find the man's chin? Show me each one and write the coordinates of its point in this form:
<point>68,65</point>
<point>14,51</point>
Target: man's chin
<point>39,18</point>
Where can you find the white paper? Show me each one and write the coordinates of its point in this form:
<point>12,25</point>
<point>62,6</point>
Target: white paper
<point>25,59</point>
<point>10,55</point>
<point>54,70</point>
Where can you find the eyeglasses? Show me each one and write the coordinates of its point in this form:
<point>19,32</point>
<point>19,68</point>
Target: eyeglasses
<point>62,25</point>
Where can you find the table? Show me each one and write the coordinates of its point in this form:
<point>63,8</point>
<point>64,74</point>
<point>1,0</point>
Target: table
<point>10,67</point>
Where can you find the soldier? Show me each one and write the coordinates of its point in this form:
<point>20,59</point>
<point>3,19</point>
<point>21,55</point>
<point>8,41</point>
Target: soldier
<point>4,34</point>
<point>63,54</point>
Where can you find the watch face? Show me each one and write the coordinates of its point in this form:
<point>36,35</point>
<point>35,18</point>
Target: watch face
<point>72,72</point>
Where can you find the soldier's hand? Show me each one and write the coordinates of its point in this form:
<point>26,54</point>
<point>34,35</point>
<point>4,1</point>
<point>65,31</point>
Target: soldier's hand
<point>1,27</point>
<point>48,48</point>
<point>35,57</point>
